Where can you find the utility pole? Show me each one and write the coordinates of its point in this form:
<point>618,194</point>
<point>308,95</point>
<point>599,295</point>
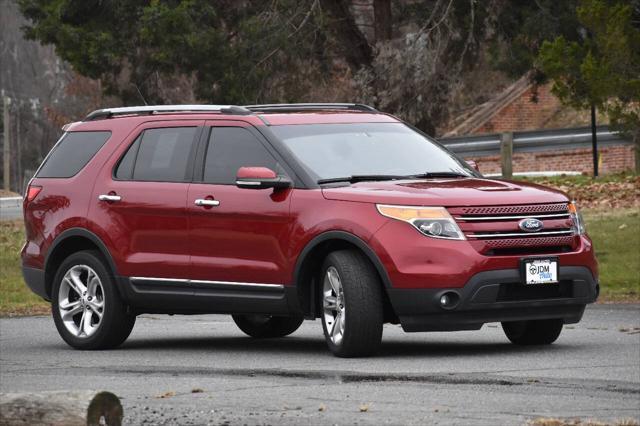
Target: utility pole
<point>6,150</point>
<point>594,140</point>
<point>19,177</point>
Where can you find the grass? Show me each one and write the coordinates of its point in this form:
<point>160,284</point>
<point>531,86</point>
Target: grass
<point>15,297</point>
<point>608,191</point>
<point>581,180</point>
<point>615,236</point>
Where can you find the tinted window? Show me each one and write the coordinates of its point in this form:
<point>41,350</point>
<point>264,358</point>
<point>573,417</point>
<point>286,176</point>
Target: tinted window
<point>164,155</point>
<point>72,153</point>
<point>340,150</point>
<point>125,167</point>
<point>231,148</point>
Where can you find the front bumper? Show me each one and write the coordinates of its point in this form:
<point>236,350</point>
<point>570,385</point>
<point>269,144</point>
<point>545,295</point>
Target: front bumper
<point>495,296</point>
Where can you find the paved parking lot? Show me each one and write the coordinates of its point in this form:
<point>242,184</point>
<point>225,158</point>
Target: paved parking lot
<point>203,370</point>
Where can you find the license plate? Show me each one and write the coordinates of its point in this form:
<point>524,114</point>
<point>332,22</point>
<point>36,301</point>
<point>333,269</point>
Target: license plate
<point>540,271</point>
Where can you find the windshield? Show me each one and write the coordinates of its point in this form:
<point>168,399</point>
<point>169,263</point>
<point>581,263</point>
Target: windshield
<point>330,151</point>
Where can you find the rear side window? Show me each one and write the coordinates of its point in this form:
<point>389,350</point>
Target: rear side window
<point>72,153</point>
<point>162,155</point>
<point>231,148</point>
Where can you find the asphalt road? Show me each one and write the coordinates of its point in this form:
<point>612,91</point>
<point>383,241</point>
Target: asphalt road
<point>593,371</point>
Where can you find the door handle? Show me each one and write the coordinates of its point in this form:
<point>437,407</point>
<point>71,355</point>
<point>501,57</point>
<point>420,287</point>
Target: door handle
<point>109,197</point>
<point>207,203</point>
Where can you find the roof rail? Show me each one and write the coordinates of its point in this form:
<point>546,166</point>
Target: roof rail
<point>309,107</point>
<point>227,109</point>
<point>151,109</point>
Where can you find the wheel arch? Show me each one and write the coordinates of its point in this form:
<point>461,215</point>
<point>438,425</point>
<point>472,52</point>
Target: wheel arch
<point>311,258</point>
<point>68,242</point>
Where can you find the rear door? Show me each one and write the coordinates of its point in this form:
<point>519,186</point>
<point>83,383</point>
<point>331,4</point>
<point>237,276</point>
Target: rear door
<point>140,201</point>
<point>241,240</point>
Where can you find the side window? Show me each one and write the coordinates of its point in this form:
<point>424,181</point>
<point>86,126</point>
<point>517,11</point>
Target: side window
<point>125,167</point>
<point>72,153</point>
<point>231,148</point>
<point>159,155</point>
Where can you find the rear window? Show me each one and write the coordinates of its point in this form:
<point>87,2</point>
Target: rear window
<point>72,153</point>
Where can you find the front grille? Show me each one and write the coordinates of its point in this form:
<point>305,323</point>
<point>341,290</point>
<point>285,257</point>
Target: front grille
<point>494,230</point>
<point>519,209</point>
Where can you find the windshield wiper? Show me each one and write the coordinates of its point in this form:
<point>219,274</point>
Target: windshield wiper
<point>363,178</point>
<point>430,175</point>
<point>360,178</point>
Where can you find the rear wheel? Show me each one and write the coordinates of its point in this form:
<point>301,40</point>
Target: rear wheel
<point>86,307</point>
<point>266,326</point>
<point>352,309</point>
<point>538,332</point>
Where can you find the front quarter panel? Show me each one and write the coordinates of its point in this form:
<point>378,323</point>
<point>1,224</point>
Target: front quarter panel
<point>313,215</point>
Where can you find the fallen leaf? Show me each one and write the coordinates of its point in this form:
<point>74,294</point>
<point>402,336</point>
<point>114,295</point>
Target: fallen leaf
<point>624,225</point>
<point>168,394</point>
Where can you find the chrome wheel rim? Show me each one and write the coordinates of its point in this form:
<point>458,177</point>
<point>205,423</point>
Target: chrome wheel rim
<point>333,305</point>
<point>81,301</point>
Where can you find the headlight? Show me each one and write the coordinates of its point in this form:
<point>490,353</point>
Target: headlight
<point>578,222</point>
<point>433,222</point>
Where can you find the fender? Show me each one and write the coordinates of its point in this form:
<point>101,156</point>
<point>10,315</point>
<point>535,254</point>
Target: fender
<point>81,232</point>
<point>344,236</point>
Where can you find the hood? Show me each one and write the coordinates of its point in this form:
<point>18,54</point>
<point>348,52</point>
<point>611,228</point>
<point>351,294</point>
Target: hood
<point>446,192</point>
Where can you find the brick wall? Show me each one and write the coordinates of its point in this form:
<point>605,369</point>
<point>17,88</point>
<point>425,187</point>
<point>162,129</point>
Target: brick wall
<point>613,159</point>
<point>530,111</point>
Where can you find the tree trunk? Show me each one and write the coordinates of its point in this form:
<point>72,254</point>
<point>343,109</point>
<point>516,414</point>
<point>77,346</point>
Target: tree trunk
<point>60,408</point>
<point>356,49</point>
<point>636,142</point>
<point>382,19</point>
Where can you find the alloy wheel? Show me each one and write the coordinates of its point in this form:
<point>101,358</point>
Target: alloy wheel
<point>334,310</point>
<point>81,301</point>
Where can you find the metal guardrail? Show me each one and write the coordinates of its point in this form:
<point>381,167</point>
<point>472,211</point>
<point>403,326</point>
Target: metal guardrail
<point>536,140</point>
<point>10,208</point>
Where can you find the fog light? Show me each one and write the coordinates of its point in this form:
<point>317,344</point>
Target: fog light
<point>449,300</point>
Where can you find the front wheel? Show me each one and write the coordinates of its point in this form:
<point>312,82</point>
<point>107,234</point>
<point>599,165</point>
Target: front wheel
<point>352,309</point>
<point>538,332</point>
<point>86,307</point>
<point>267,326</point>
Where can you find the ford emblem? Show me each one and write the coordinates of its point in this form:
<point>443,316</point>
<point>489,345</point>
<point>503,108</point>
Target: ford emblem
<point>530,225</point>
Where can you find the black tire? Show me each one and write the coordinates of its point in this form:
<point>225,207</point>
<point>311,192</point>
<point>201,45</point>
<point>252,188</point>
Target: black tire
<point>267,326</point>
<point>539,332</point>
<point>362,302</point>
<point>116,323</point>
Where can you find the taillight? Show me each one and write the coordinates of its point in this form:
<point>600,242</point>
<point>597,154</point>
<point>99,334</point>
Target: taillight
<point>32,192</point>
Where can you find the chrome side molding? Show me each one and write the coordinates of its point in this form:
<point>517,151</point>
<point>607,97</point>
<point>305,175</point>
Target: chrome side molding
<point>216,283</point>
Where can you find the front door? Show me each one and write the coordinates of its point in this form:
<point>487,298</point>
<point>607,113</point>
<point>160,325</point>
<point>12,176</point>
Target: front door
<point>237,236</point>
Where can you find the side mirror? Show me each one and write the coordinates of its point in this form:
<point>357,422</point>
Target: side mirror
<point>260,178</point>
<point>473,165</point>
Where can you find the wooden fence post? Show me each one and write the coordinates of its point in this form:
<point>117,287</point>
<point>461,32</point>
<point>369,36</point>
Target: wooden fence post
<point>506,154</point>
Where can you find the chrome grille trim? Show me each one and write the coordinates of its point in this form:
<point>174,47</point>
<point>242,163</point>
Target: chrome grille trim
<point>520,234</point>
<point>536,216</point>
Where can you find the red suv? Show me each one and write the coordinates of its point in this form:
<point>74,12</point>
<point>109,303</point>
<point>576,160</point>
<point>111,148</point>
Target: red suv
<point>279,213</point>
